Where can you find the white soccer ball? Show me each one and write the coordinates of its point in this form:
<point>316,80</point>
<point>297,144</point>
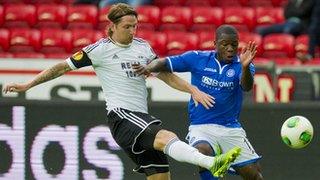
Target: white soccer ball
<point>297,132</point>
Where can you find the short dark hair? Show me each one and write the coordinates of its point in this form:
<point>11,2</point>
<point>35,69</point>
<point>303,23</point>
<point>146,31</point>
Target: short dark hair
<point>225,29</point>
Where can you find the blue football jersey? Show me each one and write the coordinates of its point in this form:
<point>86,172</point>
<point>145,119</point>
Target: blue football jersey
<point>216,78</point>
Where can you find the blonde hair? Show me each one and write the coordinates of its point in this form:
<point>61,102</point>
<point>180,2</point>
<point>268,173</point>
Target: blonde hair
<point>117,11</point>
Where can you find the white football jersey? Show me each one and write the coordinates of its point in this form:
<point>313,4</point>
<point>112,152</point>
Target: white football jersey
<point>113,65</point>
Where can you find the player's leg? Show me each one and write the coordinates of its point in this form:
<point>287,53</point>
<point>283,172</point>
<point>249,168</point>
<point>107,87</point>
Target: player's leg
<point>206,149</point>
<point>250,171</point>
<point>159,176</point>
<point>247,164</point>
<point>199,138</point>
<point>169,143</point>
<point>126,130</point>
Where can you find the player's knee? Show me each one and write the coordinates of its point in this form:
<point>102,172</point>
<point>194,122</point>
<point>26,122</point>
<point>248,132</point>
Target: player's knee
<point>255,176</point>
<point>252,175</point>
<point>205,149</point>
<point>162,138</point>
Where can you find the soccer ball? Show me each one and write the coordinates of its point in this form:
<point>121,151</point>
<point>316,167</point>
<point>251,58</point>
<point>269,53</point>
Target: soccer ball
<point>297,132</point>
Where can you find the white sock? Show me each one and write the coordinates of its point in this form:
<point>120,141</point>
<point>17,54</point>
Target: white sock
<point>182,152</point>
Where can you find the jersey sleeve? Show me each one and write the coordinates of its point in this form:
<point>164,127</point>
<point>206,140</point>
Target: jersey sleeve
<point>79,59</point>
<point>151,55</point>
<point>252,70</point>
<point>183,62</point>
<point>88,56</point>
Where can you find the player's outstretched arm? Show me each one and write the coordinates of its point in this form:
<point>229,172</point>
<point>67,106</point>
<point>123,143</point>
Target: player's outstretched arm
<point>157,65</point>
<point>44,76</point>
<point>176,82</point>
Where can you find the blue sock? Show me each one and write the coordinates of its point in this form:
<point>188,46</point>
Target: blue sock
<point>206,175</point>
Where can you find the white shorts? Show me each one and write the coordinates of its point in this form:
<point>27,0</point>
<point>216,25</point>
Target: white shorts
<point>226,138</point>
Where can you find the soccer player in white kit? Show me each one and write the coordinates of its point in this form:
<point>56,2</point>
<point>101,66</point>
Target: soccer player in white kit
<point>139,134</point>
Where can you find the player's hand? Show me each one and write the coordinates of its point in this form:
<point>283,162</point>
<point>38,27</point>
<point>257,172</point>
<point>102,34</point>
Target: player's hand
<point>14,87</point>
<point>247,54</point>
<point>140,69</point>
<point>200,97</point>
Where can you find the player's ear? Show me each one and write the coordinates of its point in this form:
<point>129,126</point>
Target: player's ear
<point>112,26</point>
<point>214,44</point>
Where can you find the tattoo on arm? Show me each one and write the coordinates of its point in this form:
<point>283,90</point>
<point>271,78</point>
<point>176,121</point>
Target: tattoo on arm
<point>51,73</point>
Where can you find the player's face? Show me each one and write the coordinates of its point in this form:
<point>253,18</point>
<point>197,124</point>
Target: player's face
<point>124,31</point>
<point>227,46</point>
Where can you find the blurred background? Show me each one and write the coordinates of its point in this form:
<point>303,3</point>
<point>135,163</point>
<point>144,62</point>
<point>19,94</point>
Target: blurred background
<point>58,130</point>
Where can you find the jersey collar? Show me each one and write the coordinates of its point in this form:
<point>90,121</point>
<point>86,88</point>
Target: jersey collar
<point>119,44</point>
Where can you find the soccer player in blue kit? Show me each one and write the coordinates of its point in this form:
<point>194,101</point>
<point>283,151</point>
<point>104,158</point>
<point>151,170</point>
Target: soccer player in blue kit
<point>224,75</point>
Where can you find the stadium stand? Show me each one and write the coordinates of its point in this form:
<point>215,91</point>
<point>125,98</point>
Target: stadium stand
<point>268,15</point>
<point>82,16</point>
<point>197,3</point>
<point>49,16</point>
<point>83,37</point>
<point>301,43</point>
<point>206,40</point>
<point>55,41</point>
<point>206,18</point>
<point>278,45</point>
<point>4,40</point>
<point>197,19</point>
<point>242,18</point>
<point>148,17</point>
<point>175,18</point>
<point>157,40</point>
<point>161,3</point>
<point>19,15</point>
<point>179,42</point>
<point>24,40</point>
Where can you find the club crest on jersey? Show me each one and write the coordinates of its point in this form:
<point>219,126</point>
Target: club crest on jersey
<point>77,56</point>
<point>230,73</point>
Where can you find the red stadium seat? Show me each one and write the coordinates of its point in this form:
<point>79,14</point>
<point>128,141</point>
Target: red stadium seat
<point>164,3</point>
<point>1,15</point>
<point>206,40</point>
<point>206,18</point>
<point>284,61</point>
<point>6,55</point>
<point>43,1</point>
<point>278,45</point>
<point>231,3</point>
<point>175,18</point>
<point>260,3</point>
<point>57,55</point>
<point>49,16</point>
<point>149,17</point>
<point>278,3</point>
<point>11,1</point>
<point>267,3</point>
<point>4,40</point>
<point>55,41</point>
<point>24,40</point>
<point>197,3</point>
<point>245,37</point>
<point>242,18</point>
<point>82,16</point>
<point>28,55</point>
<point>268,16</point>
<point>19,15</point>
<point>156,39</point>
<point>84,37</point>
<point>301,43</point>
<point>313,62</point>
<point>103,18</point>
<point>179,42</point>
